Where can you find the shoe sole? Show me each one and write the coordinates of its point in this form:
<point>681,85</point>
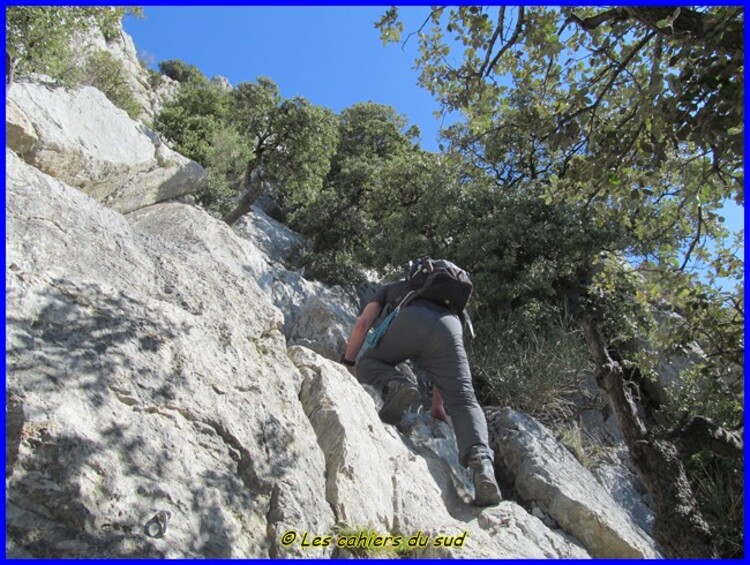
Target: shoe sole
<point>487,494</point>
<point>393,410</point>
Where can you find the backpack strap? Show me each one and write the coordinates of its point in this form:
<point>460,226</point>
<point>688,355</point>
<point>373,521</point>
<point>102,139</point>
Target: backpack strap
<point>411,295</point>
<point>466,320</point>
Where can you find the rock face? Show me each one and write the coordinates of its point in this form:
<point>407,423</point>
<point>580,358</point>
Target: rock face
<point>628,492</point>
<point>316,316</point>
<point>134,391</point>
<point>170,389</point>
<point>542,471</point>
<point>123,49</point>
<point>221,82</point>
<point>81,138</point>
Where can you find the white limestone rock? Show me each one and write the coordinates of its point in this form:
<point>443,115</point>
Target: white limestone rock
<point>136,385</point>
<point>78,136</point>
<point>543,471</point>
<point>315,315</point>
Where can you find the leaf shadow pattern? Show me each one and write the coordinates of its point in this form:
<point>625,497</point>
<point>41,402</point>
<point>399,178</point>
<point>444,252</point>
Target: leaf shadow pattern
<point>47,514</point>
<point>277,440</point>
<point>79,339</point>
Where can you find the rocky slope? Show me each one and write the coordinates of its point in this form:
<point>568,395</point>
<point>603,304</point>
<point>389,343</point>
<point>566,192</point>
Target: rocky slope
<point>162,366</point>
<point>122,48</point>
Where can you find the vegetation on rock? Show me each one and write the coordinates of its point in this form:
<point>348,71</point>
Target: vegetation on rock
<point>582,189</point>
<point>42,39</point>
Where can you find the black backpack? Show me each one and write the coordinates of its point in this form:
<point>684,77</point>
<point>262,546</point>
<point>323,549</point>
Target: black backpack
<point>440,281</point>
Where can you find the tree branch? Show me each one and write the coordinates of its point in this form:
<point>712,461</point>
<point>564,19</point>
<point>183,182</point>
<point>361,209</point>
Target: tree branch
<point>493,39</point>
<point>686,21</point>
<point>679,527</point>
<point>594,22</point>
<point>501,22</point>
<point>682,21</point>
<point>609,375</point>
<point>695,241</point>
<point>9,66</point>
<point>617,69</point>
<point>508,45</point>
<point>700,434</point>
<point>424,23</point>
<point>252,186</point>
<point>641,44</point>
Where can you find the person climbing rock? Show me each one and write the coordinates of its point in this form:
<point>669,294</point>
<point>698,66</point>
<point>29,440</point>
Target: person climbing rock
<point>419,318</point>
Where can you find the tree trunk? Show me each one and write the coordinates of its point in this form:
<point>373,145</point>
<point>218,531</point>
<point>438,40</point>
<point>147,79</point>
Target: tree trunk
<point>9,67</point>
<point>252,189</point>
<point>679,527</point>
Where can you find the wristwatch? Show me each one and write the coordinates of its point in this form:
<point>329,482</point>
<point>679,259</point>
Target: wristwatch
<point>345,361</point>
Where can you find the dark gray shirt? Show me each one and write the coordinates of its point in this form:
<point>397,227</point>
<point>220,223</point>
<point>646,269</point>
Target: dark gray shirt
<point>388,296</point>
<point>391,293</point>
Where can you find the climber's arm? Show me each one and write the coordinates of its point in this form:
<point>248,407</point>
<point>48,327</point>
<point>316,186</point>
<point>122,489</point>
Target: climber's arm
<point>360,329</point>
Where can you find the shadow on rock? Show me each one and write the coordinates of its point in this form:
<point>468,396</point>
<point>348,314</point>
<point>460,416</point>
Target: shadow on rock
<point>80,337</point>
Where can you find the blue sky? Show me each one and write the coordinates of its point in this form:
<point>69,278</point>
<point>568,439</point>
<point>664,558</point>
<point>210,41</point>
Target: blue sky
<point>331,55</point>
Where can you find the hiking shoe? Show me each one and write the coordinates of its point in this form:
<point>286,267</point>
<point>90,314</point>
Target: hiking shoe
<point>398,396</point>
<point>487,493</point>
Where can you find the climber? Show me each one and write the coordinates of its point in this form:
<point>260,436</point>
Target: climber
<point>430,334</point>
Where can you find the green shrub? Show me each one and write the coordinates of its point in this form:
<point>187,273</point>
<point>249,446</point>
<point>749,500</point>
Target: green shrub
<point>192,119</point>
<point>154,78</point>
<point>330,267</point>
<point>40,38</point>
<point>182,72</point>
<point>103,71</point>
<point>227,157</point>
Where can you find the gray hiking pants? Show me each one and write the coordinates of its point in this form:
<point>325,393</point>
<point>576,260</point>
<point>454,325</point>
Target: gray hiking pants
<point>433,338</point>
